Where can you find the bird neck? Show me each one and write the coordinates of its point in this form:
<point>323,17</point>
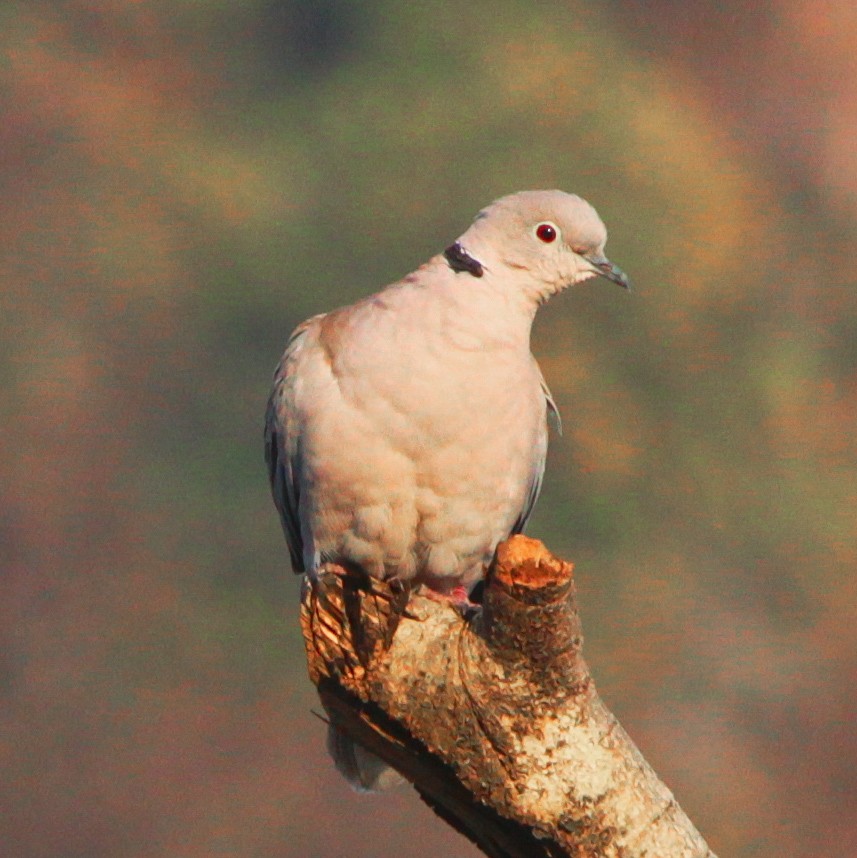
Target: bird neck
<point>487,310</point>
<point>483,252</point>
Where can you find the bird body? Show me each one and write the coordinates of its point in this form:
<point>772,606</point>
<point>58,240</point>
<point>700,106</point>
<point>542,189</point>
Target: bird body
<point>406,434</point>
<point>399,472</point>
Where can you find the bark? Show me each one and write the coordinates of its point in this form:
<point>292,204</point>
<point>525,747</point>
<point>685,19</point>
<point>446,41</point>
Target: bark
<point>491,714</point>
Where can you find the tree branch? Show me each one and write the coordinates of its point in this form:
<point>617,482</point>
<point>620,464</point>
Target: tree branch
<point>493,717</point>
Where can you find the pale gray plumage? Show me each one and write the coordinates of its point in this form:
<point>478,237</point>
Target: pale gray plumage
<point>407,433</point>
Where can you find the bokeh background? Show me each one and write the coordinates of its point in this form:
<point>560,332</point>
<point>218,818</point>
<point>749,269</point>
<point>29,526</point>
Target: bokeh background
<point>182,183</point>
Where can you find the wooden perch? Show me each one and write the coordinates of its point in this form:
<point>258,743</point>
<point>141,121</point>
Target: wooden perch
<point>493,717</point>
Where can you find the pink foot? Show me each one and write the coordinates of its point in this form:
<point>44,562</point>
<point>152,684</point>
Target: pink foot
<point>461,594</point>
<point>458,597</point>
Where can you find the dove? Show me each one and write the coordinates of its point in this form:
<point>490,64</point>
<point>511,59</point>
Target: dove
<point>406,434</point>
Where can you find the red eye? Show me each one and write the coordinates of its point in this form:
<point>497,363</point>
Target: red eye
<point>546,232</point>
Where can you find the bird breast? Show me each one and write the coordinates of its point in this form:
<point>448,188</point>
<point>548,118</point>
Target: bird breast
<point>419,453</point>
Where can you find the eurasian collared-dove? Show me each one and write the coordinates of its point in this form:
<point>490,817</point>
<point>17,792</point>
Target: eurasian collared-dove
<point>406,434</point>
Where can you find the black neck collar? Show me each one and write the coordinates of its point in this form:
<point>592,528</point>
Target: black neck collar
<point>460,260</point>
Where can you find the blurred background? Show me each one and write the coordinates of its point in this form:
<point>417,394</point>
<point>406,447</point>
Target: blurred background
<point>182,183</point>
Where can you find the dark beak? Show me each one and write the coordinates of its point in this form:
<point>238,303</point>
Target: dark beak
<point>605,268</point>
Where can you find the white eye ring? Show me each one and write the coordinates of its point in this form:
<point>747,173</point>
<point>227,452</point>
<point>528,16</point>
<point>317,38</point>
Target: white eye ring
<point>547,232</point>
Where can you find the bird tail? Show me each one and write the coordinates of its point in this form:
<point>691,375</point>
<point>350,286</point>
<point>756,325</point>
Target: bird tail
<point>362,769</point>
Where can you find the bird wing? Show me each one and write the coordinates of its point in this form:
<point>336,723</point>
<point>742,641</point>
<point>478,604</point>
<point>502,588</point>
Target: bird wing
<point>540,458</point>
<point>551,403</point>
<point>282,444</point>
<point>535,488</point>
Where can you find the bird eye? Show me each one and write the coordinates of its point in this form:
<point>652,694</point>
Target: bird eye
<point>546,232</point>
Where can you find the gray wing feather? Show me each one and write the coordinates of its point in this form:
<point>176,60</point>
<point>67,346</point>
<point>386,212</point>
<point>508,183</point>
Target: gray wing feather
<point>553,411</point>
<point>539,465</point>
<point>532,497</point>
<point>282,446</point>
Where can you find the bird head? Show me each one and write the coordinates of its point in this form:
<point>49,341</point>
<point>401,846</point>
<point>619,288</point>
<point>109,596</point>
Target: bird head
<point>541,241</point>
